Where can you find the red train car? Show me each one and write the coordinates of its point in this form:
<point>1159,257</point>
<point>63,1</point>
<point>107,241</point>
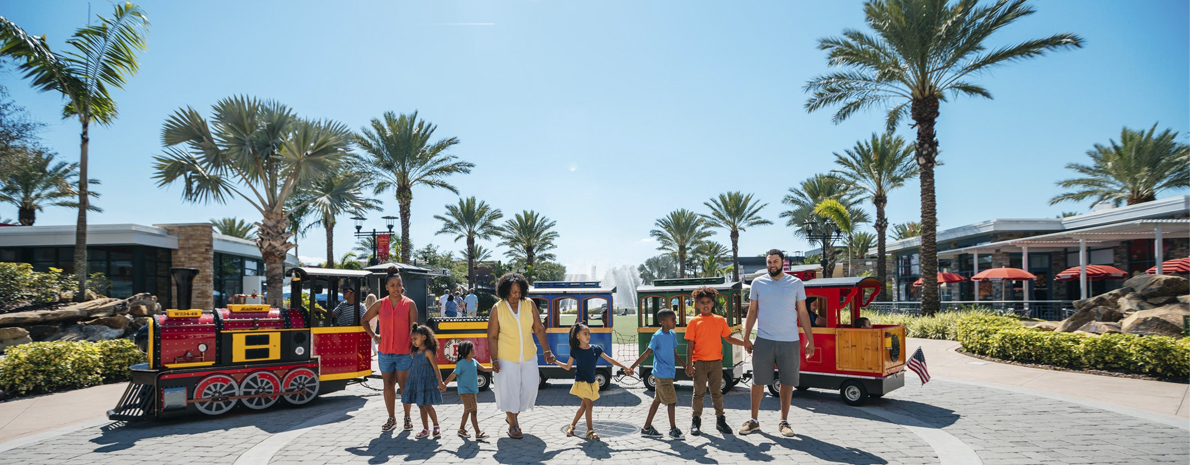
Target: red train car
<point>250,354</point>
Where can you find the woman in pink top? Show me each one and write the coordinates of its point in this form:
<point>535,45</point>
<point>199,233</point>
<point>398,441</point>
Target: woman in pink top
<point>398,315</point>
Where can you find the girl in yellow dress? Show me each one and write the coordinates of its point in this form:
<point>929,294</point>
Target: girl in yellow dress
<point>583,357</point>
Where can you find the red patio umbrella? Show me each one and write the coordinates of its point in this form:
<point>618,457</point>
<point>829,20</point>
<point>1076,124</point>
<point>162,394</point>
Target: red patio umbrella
<point>1094,273</point>
<point>944,278</point>
<point>1004,273</point>
<point>1175,266</point>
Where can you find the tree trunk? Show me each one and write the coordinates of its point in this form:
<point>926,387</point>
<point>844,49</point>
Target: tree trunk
<point>404,199</point>
<point>26,216</point>
<point>530,257</point>
<point>470,262</point>
<point>272,239</point>
<point>80,229</point>
<point>735,255</point>
<point>330,242</point>
<point>925,113</point>
<point>828,255</point>
<point>881,227</point>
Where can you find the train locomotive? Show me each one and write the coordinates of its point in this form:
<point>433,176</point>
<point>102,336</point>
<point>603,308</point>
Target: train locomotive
<point>250,354</point>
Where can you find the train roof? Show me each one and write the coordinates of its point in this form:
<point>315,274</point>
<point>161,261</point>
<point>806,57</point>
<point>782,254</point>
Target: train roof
<point>311,272</point>
<point>690,284</point>
<point>569,288</point>
<point>842,282</point>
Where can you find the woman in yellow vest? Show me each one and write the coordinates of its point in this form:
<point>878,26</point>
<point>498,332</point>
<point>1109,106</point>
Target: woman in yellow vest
<point>511,326</point>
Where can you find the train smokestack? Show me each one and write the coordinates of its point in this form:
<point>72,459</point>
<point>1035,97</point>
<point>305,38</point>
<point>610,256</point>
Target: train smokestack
<point>185,279</point>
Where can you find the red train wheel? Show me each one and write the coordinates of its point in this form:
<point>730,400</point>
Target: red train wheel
<point>218,387</point>
<point>261,382</point>
<point>301,379</point>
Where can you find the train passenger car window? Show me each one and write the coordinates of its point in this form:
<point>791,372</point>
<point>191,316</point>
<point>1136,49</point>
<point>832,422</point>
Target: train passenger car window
<point>567,311</point>
<point>543,309</point>
<point>649,306</point>
<point>597,312</point>
<point>675,304</point>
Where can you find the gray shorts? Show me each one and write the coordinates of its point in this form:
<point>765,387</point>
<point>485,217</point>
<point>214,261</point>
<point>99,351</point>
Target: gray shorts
<point>784,356</point>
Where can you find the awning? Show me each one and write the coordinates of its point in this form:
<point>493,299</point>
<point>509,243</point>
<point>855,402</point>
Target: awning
<point>1175,266</point>
<point>944,278</point>
<point>1004,273</point>
<point>1094,273</point>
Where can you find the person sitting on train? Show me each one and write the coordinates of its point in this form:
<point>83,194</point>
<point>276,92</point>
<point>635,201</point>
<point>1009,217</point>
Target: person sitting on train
<point>818,320</point>
<point>863,322</point>
<point>345,312</point>
<point>452,307</point>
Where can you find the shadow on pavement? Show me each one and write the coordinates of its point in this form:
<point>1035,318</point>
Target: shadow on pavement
<point>930,415</point>
<point>119,436</point>
<point>528,450</point>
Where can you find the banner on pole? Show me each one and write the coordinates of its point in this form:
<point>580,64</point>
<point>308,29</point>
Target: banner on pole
<point>382,246</point>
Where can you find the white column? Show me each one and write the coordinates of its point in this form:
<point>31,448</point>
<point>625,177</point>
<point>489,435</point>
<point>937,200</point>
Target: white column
<point>975,267</point>
<point>1027,285</point>
<point>1157,246</point>
<point>1082,268</point>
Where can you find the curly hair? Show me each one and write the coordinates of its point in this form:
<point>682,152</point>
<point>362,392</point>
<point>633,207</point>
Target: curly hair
<point>574,330</point>
<point>704,292</point>
<point>465,349</point>
<point>431,340</point>
<point>504,285</point>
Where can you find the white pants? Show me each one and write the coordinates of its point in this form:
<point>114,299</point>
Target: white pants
<point>516,385</point>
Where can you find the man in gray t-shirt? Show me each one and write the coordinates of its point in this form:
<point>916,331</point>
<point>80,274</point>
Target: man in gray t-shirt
<point>778,303</point>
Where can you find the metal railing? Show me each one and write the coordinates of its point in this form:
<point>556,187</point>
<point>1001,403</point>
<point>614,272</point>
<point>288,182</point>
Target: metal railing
<point>1053,310</point>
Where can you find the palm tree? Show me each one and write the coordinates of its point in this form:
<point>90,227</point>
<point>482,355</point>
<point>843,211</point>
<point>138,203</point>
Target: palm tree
<point>259,152</point>
<point>234,227</point>
<point>470,220</point>
<point>334,195</point>
<point>678,232</point>
<point>861,243</point>
<point>802,202</point>
<point>1130,172</point>
<point>298,221</point>
<point>923,52</point>
<point>365,245</point>
<point>480,254</point>
<point>734,212</point>
<point>349,261</point>
<point>104,55</point>
<point>841,218</point>
<point>33,180</point>
<point>710,255</point>
<point>402,155</point>
<point>529,236</point>
<point>882,164</point>
<point>658,267</point>
<point>906,230</point>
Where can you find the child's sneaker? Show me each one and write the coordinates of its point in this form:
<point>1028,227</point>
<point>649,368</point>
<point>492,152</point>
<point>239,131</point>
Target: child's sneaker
<point>675,433</point>
<point>721,425</point>
<point>696,426</point>
<point>649,432</point>
<point>750,427</point>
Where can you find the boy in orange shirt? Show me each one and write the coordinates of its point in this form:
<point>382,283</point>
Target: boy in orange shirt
<point>705,334</point>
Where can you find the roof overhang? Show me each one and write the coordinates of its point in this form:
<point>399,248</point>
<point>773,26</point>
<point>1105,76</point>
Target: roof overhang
<point>1111,234</point>
<point>97,234</point>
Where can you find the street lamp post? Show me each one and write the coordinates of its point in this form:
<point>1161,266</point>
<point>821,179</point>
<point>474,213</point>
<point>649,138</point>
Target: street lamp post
<point>389,222</point>
<point>825,232</point>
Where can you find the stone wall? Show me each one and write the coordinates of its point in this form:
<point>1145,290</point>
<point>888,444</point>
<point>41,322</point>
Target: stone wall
<point>196,249</point>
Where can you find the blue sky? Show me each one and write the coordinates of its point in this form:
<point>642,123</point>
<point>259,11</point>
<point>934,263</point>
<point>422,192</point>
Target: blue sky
<point>605,116</point>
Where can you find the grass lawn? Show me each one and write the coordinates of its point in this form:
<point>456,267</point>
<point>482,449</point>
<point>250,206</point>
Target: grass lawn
<point>623,327</point>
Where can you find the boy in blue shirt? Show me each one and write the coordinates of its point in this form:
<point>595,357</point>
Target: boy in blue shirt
<point>664,348</point>
<point>468,387</point>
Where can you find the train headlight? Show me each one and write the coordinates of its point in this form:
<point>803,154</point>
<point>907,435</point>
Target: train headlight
<point>300,350</point>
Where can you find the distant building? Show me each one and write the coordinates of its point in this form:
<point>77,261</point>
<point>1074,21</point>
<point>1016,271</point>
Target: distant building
<point>1125,237</point>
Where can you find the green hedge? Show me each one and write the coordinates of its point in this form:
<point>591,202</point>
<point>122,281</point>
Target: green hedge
<point>1004,338</point>
<point>52,366</point>
<point>939,326</point>
<point>18,282</point>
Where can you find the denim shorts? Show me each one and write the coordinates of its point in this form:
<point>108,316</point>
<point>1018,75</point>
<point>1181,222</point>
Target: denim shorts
<point>394,362</point>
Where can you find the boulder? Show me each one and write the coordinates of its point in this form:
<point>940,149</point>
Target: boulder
<point>99,307</point>
<point>114,322</point>
<point>20,318</point>
<point>91,333</point>
<point>1101,327</point>
<point>4,345</point>
<point>1087,315</point>
<point>1106,299</point>
<point>138,310</point>
<point>140,321</point>
<point>1185,299</point>
<point>43,332</point>
<point>63,314</point>
<point>7,334</point>
<point>1161,321</point>
<point>1162,300</point>
<point>1158,285</point>
<point>1133,303</point>
<point>1041,325</point>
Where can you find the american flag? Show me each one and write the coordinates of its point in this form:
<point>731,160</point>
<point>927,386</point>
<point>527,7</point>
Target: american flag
<point>917,363</point>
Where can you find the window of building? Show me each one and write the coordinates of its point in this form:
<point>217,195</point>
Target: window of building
<point>229,276</point>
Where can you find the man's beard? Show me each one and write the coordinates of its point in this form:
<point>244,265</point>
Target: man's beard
<point>774,273</point>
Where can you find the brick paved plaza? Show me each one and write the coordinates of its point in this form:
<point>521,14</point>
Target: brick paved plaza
<point>943,421</point>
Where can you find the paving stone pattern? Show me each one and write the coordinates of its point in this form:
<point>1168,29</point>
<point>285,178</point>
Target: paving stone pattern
<point>1002,427</point>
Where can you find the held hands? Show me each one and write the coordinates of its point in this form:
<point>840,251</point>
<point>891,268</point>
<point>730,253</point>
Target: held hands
<point>748,345</point>
<point>442,386</point>
<point>549,358</point>
<point>376,337</point>
<point>495,365</point>
<point>689,371</point>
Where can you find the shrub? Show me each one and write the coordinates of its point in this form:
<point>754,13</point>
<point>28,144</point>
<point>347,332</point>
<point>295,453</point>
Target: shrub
<point>118,355</point>
<point>939,326</point>
<point>1004,338</point>
<point>18,282</point>
<point>50,366</point>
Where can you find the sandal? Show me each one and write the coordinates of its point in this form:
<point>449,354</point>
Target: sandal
<point>422,434</point>
<point>591,435</point>
<point>408,424</point>
<point>437,432</point>
<point>480,435</point>
<point>513,431</point>
<point>464,434</point>
<point>388,425</point>
<point>569,430</point>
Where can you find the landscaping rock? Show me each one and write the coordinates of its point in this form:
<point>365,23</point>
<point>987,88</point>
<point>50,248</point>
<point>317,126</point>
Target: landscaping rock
<point>1087,315</point>
<point>1134,303</point>
<point>1158,285</point>
<point>1041,325</point>
<point>71,313</point>
<point>89,333</point>
<point>138,310</point>
<point>114,322</point>
<point>43,332</point>
<point>1162,321</point>
<point>20,318</point>
<point>1106,299</point>
<point>4,345</point>
<point>1101,327</point>
<point>1184,299</point>
<point>1162,300</point>
<point>7,334</point>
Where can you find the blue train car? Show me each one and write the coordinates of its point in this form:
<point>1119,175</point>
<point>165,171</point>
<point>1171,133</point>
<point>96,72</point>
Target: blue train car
<point>562,303</point>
